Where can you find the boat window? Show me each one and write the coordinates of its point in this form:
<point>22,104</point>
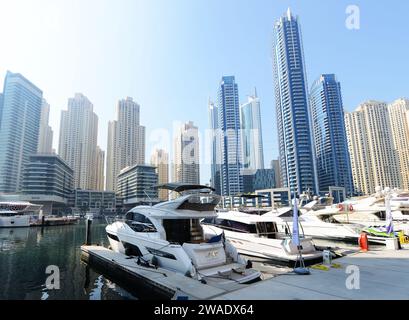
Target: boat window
<point>11,214</point>
<point>381,215</point>
<point>287,214</point>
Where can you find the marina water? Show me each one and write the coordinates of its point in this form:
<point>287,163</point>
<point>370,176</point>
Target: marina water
<point>25,253</point>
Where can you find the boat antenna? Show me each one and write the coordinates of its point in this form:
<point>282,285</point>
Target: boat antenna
<point>150,199</point>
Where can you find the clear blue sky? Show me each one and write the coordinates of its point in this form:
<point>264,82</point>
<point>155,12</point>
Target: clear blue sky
<point>169,55</point>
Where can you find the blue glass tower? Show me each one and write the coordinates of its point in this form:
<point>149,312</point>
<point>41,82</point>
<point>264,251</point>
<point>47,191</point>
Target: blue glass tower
<point>228,121</point>
<point>292,110</point>
<point>19,129</point>
<point>330,140</point>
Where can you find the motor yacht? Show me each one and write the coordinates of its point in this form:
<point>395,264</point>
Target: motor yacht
<point>17,214</point>
<point>258,236</point>
<point>169,235</point>
<point>317,225</point>
<point>369,211</point>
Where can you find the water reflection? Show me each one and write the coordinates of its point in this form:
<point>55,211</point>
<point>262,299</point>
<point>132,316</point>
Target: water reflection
<point>25,254</point>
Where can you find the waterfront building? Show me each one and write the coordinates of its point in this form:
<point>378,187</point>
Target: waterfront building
<point>160,160</point>
<point>228,121</point>
<point>251,134</point>
<point>331,146</point>
<point>399,119</point>
<point>45,140</point>
<point>48,180</point>
<point>19,129</point>
<point>374,161</point>
<point>126,141</point>
<point>186,168</point>
<point>1,104</point>
<point>78,140</point>
<point>135,185</point>
<point>260,179</point>
<point>297,158</point>
<point>94,201</point>
<point>275,165</point>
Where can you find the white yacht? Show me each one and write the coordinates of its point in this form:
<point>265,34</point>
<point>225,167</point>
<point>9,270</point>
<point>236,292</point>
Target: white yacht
<point>258,236</point>
<point>318,225</point>
<point>169,235</point>
<point>369,212</point>
<point>17,214</point>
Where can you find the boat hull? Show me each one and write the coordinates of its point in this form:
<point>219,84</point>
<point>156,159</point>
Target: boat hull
<point>20,221</point>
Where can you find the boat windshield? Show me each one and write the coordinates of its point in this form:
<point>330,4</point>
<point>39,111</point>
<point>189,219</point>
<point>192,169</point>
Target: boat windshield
<point>139,223</point>
<point>329,219</point>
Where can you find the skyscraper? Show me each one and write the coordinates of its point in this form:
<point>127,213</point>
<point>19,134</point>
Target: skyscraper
<point>45,140</point>
<point>215,146</point>
<point>99,169</point>
<point>330,141</point>
<point>251,134</point>
<point>19,129</point>
<point>374,159</point>
<point>231,179</point>
<point>399,119</point>
<point>297,159</point>
<point>78,141</point>
<point>126,141</point>
<point>160,160</point>
<point>186,168</point>
<point>1,105</point>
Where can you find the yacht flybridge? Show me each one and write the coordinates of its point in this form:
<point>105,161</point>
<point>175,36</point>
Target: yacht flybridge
<point>169,235</point>
<point>258,236</point>
<point>17,214</point>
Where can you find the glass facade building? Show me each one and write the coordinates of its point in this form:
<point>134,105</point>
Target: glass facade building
<point>134,185</point>
<point>251,134</point>
<point>49,176</point>
<point>19,129</point>
<point>228,108</point>
<point>330,140</point>
<point>94,201</point>
<point>297,161</point>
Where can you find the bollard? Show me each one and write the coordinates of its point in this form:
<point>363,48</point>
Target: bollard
<point>43,221</point>
<point>88,224</point>
<point>363,242</point>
